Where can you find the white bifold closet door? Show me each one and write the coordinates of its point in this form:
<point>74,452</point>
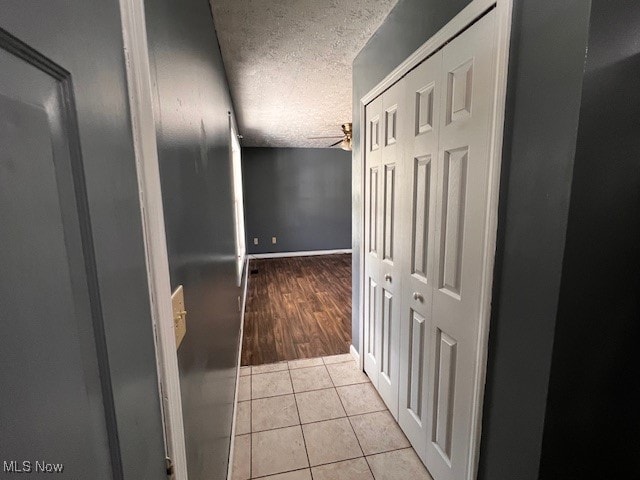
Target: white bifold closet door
<point>450,99</point>
<point>423,98</point>
<point>384,118</point>
<point>427,159</point>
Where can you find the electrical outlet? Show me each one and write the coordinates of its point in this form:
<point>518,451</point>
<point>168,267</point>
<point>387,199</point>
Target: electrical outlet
<point>255,241</point>
<point>273,240</point>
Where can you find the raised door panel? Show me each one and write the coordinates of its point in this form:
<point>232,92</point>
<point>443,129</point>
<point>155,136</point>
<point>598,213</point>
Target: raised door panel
<point>419,187</point>
<point>461,221</point>
<point>389,213</point>
<point>372,315</point>
<point>417,356</point>
<point>373,210</point>
<point>444,381</point>
<point>452,205</point>
<point>389,341</point>
<point>421,257</point>
<point>459,92</point>
<point>387,324</point>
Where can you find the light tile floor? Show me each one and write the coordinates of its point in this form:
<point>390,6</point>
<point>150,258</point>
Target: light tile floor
<point>317,419</point>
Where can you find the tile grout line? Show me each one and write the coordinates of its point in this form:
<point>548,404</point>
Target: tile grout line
<point>297,368</point>
<point>333,463</point>
<point>308,423</point>
<point>281,473</point>
<point>369,467</point>
<point>354,432</point>
<point>304,440</point>
<point>349,421</point>
<point>300,424</point>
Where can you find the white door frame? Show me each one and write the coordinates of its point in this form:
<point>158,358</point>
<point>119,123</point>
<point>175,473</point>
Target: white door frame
<point>461,21</point>
<point>157,260</point>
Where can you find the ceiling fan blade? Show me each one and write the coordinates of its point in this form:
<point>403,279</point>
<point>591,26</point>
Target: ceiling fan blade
<point>320,138</point>
<point>337,143</point>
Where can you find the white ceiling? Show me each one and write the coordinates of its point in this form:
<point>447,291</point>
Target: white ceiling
<point>289,64</point>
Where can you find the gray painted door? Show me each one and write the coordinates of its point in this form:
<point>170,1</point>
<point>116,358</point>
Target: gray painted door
<point>48,288</point>
<point>63,135</point>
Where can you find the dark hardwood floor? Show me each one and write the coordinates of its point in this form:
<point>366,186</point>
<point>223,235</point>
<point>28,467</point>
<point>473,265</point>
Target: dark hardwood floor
<point>297,307</point>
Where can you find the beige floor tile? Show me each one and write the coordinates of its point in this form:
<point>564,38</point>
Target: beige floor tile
<point>270,384</point>
<point>378,432</point>
<point>312,378</point>
<point>398,465</point>
<point>277,451</point>
<point>347,357</point>
<point>305,362</point>
<point>319,405</point>
<point>274,412</point>
<point>243,418</point>
<point>244,371</point>
<point>356,469</point>
<point>242,458</point>
<point>297,475</point>
<point>269,367</point>
<point>360,398</point>
<point>330,441</point>
<point>346,374</point>
<point>244,389</point>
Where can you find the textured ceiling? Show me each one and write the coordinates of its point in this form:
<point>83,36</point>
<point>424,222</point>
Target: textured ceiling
<point>289,64</point>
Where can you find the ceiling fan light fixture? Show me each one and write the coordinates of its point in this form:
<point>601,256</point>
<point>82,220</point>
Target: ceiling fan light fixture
<point>345,142</point>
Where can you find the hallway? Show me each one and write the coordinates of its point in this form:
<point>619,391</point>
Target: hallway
<point>319,419</point>
<point>297,307</point>
<point>303,240</point>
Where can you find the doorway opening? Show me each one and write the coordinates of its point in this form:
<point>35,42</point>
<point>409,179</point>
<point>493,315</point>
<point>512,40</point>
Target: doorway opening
<point>297,307</point>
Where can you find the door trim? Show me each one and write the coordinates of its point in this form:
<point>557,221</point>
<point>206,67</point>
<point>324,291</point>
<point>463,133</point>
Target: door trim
<point>148,175</point>
<point>459,23</point>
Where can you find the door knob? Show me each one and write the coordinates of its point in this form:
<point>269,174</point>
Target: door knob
<point>387,277</point>
<point>417,296</point>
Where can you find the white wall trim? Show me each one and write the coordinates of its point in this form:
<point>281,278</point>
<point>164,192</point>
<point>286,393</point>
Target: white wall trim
<point>309,253</point>
<point>148,173</point>
<point>235,397</point>
<point>504,10</point>
<point>354,353</point>
<point>467,16</point>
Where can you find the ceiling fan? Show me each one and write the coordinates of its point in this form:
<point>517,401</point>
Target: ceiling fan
<point>345,138</point>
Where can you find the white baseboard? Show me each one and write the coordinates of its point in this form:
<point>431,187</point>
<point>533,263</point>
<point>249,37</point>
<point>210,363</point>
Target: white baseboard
<point>309,253</point>
<point>354,353</point>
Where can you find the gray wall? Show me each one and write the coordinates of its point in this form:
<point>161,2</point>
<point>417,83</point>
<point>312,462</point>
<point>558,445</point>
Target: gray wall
<point>302,196</point>
<point>545,77</point>
<point>593,421</point>
<point>193,145</point>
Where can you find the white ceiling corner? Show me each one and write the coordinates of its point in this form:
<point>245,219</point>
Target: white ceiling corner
<point>288,63</point>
